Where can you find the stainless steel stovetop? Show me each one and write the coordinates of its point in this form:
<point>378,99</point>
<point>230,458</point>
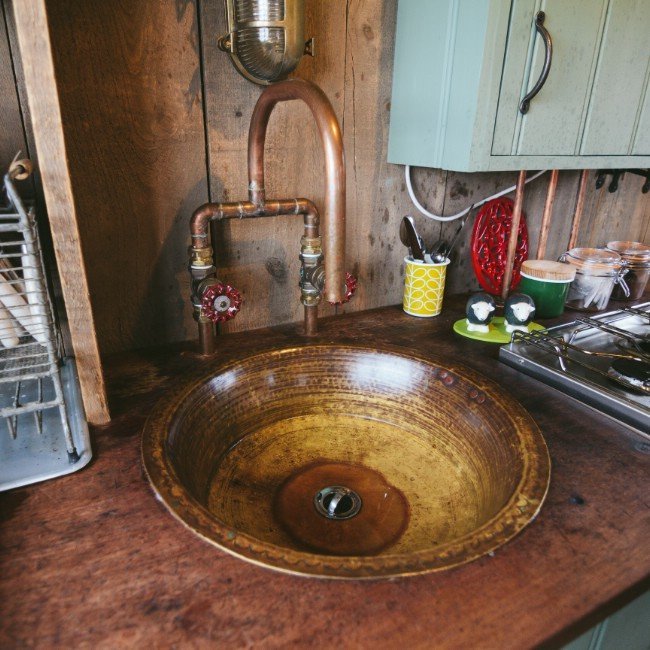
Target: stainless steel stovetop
<point>576,357</point>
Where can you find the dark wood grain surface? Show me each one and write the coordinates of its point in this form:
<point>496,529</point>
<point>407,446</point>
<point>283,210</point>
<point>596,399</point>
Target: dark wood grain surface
<point>93,560</point>
<point>129,84</point>
<point>12,134</point>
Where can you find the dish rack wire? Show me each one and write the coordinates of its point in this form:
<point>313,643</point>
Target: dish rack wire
<point>44,437</point>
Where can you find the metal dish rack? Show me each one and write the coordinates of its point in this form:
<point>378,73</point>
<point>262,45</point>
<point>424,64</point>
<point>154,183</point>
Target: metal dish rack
<point>46,432</point>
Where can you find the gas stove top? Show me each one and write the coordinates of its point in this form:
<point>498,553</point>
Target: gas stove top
<point>603,361</point>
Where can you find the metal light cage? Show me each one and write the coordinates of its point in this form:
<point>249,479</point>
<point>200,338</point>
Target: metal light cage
<point>265,38</point>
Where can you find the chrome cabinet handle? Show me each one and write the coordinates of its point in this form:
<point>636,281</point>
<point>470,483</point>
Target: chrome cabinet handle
<point>548,45</point>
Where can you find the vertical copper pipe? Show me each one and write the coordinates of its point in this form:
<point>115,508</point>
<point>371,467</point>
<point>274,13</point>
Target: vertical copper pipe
<point>548,213</point>
<point>514,234</point>
<point>333,229</point>
<point>311,320</point>
<point>206,338</point>
<point>580,205</point>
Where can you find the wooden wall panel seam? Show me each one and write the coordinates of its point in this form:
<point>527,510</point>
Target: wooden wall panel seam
<point>200,36</point>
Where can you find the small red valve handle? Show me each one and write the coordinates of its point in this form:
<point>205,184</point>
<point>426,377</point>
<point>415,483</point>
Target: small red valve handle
<point>220,302</point>
<point>351,284</point>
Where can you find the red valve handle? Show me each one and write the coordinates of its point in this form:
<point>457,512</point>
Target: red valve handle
<point>350,287</point>
<point>220,302</point>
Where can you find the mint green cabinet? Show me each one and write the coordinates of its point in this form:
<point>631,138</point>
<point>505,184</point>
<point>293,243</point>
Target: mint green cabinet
<point>642,138</point>
<point>552,125</point>
<point>627,629</point>
<point>619,91</point>
<point>463,66</point>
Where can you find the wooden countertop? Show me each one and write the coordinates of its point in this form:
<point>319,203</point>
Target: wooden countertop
<point>92,559</point>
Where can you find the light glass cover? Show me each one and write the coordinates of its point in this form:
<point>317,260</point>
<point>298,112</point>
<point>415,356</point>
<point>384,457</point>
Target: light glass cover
<point>266,37</point>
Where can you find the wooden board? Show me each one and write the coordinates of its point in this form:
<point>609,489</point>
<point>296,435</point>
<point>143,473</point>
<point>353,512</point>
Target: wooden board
<point>40,81</point>
<point>32,189</point>
<point>377,191</point>
<point>130,87</point>
<point>620,215</point>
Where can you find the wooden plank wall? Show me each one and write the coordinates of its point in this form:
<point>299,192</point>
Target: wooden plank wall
<point>132,110</point>
<point>354,66</point>
<point>131,89</point>
<point>12,134</point>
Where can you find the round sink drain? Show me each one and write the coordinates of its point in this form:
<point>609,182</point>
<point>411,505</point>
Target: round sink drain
<point>337,502</point>
<point>320,509</point>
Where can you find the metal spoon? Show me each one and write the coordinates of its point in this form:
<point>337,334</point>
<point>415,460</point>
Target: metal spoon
<point>439,252</point>
<point>410,238</point>
<point>403,234</point>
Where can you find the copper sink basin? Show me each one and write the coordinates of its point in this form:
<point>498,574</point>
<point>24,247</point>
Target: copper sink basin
<point>347,462</point>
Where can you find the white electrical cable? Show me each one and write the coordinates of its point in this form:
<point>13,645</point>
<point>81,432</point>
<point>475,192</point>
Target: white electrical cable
<point>430,215</point>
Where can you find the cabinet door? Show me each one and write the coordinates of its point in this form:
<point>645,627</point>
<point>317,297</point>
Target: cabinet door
<point>641,145</point>
<point>553,124</point>
<point>616,103</point>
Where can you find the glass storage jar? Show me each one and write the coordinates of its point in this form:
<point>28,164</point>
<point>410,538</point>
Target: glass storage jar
<point>636,257</point>
<point>597,272</point>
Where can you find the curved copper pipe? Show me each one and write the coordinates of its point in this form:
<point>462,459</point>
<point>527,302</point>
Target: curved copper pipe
<point>334,214</point>
<point>208,212</point>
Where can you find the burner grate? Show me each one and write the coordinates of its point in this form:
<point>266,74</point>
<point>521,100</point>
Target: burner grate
<point>577,358</point>
<point>568,353</point>
<point>637,312</point>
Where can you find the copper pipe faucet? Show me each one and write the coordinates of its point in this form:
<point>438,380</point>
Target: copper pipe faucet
<point>215,301</point>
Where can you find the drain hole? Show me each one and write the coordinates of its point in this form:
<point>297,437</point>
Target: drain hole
<point>337,502</point>
<point>344,505</point>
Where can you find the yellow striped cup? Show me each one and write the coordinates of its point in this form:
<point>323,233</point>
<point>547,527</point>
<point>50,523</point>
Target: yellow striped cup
<point>424,285</point>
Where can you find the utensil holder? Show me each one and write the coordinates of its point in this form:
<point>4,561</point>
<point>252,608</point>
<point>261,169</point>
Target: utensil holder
<point>424,286</point>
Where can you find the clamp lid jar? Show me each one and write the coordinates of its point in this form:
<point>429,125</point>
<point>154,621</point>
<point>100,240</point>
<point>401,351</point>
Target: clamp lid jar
<point>597,272</point>
<point>636,257</point>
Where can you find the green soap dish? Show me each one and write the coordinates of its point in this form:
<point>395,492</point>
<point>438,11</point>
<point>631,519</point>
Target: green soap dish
<point>497,333</point>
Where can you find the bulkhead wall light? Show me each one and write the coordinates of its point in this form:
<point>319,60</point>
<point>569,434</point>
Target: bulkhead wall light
<point>265,38</point>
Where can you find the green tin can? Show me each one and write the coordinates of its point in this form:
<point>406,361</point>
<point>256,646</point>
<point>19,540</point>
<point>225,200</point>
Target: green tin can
<point>547,283</point>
